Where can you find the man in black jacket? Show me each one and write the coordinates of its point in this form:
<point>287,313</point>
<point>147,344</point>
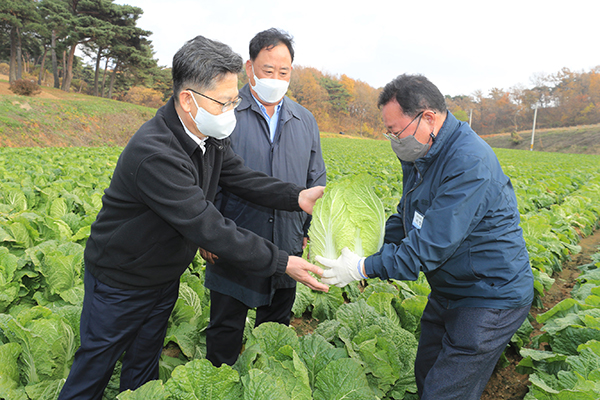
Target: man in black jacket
<point>159,210</point>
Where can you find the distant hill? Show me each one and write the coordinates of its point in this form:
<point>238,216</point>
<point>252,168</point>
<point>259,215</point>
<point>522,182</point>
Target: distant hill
<point>583,139</point>
<point>54,118</point>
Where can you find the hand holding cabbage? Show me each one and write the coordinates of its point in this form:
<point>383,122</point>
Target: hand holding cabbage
<point>308,197</point>
<point>348,224</point>
<point>347,268</point>
<point>298,269</point>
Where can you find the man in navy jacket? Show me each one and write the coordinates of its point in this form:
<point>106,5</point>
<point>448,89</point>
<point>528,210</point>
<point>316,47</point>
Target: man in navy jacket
<point>458,222</point>
<point>157,213</point>
<point>279,137</point>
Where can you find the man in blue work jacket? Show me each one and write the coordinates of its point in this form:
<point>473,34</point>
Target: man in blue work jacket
<point>457,222</point>
<point>279,137</point>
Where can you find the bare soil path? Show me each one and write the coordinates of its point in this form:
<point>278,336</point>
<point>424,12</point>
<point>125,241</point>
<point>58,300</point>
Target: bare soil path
<point>506,383</point>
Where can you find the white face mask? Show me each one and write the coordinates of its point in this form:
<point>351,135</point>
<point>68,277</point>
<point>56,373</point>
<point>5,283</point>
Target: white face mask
<point>269,90</point>
<point>216,126</point>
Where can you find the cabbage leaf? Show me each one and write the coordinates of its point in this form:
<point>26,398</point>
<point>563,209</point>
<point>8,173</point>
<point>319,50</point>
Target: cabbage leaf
<point>348,215</point>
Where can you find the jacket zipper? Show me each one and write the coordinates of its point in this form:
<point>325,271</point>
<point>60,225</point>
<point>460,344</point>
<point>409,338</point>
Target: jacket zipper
<point>406,200</point>
<point>205,167</point>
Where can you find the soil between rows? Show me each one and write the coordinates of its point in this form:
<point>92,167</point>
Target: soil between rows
<point>506,383</point>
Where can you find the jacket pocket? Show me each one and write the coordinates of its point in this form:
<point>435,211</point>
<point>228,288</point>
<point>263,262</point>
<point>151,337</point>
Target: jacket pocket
<point>460,265</point>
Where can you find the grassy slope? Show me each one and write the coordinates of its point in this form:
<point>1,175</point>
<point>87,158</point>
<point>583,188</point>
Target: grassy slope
<point>583,139</point>
<point>55,118</point>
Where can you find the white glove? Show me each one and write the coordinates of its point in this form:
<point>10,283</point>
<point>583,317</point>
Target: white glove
<point>347,268</point>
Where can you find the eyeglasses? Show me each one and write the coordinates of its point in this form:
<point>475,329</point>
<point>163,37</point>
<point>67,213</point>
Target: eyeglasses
<point>396,135</point>
<point>226,106</point>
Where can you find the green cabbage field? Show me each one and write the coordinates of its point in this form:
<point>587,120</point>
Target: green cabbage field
<point>364,343</point>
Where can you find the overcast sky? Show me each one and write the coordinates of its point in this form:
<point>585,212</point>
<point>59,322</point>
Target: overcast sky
<point>461,46</point>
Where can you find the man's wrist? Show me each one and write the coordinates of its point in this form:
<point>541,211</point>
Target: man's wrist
<point>361,268</point>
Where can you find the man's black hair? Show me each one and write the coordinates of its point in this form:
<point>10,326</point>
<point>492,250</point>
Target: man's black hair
<point>414,93</point>
<point>269,39</point>
<point>200,63</point>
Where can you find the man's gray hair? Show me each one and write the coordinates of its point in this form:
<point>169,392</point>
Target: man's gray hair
<point>201,63</point>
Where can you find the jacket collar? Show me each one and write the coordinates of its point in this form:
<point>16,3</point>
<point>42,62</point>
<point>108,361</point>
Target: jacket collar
<point>175,125</point>
<point>443,137</point>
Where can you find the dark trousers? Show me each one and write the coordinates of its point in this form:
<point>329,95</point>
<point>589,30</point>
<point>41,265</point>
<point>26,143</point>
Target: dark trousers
<point>113,322</point>
<point>225,331</point>
<point>459,348</point>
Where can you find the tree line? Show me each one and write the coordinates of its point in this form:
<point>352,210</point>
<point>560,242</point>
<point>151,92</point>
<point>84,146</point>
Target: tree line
<point>39,40</point>
<point>41,37</point>
<point>564,98</point>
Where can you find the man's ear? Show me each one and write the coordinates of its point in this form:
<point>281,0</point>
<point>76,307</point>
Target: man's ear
<point>430,117</point>
<point>249,73</point>
<point>185,101</point>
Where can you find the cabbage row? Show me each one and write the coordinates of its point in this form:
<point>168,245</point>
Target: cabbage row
<point>568,364</point>
<point>364,337</point>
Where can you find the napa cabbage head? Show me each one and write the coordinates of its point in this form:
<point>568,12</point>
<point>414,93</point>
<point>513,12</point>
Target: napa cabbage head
<point>348,215</point>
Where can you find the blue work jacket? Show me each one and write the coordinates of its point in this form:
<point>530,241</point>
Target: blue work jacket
<point>293,156</point>
<point>458,222</point>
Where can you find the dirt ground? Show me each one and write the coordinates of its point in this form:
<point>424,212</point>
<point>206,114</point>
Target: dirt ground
<point>506,383</point>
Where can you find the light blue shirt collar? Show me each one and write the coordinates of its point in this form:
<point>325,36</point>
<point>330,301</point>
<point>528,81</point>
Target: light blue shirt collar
<point>272,121</point>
